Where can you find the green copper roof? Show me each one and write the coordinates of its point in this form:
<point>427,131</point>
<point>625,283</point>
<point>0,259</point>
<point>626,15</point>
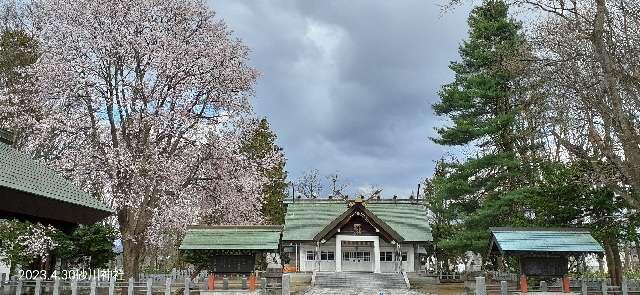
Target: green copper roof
<point>544,240</point>
<point>232,238</point>
<point>20,173</point>
<point>305,219</point>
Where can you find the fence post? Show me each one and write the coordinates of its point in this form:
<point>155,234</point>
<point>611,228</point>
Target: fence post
<point>93,286</point>
<point>56,286</point>
<point>585,287</point>
<point>504,288</point>
<point>286,290</point>
<point>481,288</point>
<point>543,286</point>
<point>149,284</point>
<point>225,283</point>
<point>625,287</point>
<point>186,286</point>
<point>38,289</point>
<point>130,287</point>
<point>2,276</point>
<point>604,287</point>
<point>167,286</point>
<point>112,285</point>
<point>74,286</point>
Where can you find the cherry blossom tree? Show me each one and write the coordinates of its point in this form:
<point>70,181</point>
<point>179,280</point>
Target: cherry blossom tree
<point>143,102</point>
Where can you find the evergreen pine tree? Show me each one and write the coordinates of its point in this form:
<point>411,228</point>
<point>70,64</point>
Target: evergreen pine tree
<point>476,193</point>
<point>259,144</point>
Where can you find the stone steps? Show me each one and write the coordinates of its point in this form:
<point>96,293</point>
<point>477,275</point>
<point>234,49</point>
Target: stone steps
<point>359,280</point>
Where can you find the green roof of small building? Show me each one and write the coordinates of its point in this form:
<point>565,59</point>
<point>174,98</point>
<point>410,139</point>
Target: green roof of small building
<point>305,219</point>
<point>21,173</point>
<point>232,238</point>
<point>558,240</point>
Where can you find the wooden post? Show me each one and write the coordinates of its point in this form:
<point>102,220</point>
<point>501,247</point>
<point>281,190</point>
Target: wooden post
<point>524,288</point>
<point>38,289</point>
<point>167,286</point>
<point>625,287</point>
<point>74,286</point>
<point>186,286</point>
<point>112,285</point>
<point>481,288</point>
<point>566,284</point>
<point>130,288</point>
<point>252,282</point>
<point>212,282</point>
<point>149,286</point>
<point>56,286</point>
<point>93,286</point>
<point>504,288</point>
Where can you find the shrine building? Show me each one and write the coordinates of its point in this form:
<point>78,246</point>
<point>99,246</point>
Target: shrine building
<point>324,235</point>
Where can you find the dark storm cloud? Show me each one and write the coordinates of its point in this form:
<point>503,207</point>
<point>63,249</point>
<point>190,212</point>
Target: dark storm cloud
<point>347,85</point>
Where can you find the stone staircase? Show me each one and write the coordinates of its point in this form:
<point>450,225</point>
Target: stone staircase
<point>359,280</point>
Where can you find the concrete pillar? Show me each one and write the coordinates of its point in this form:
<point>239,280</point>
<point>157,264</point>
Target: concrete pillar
<point>94,283</point>
<point>56,286</point>
<point>225,283</point>
<point>376,255</point>
<point>74,286</point>
<point>584,287</point>
<point>604,287</point>
<point>263,285</point>
<point>625,287</point>
<point>244,282</point>
<point>481,288</point>
<point>149,286</point>
<point>286,281</point>
<point>130,287</point>
<point>187,285</point>
<point>112,285</point>
<point>543,286</point>
<point>338,255</point>
<point>38,289</point>
<point>167,286</point>
<point>504,288</point>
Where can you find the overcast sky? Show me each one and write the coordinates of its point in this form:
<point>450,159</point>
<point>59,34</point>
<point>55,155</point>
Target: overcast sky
<point>348,85</point>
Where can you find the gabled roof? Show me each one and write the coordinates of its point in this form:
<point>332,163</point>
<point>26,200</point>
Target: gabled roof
<point>30,181</point>
<point>232,238</point>
<point>305,219</point>
<point>357,208</point>
<point>540,240</point>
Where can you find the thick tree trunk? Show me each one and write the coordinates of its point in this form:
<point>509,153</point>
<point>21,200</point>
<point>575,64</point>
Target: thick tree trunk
<point>133,253</point>
<point>613,263</point>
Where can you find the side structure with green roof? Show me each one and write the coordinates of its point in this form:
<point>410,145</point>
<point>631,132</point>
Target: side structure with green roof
<point>543,252</point>
<point>29,190</point>
<point>230,249</point>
